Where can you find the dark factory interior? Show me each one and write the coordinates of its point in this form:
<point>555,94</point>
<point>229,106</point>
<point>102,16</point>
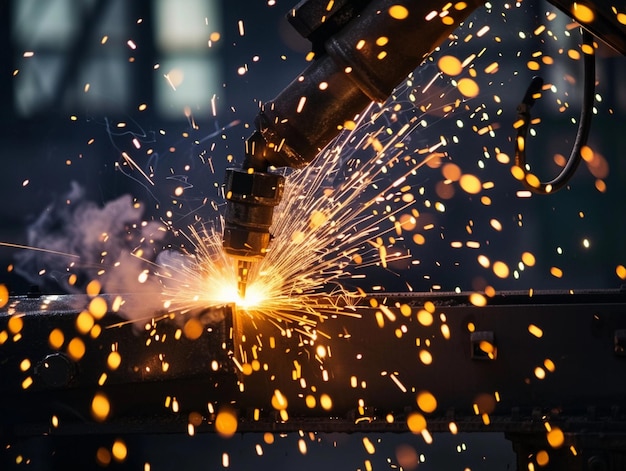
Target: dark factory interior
<point>418,302</point>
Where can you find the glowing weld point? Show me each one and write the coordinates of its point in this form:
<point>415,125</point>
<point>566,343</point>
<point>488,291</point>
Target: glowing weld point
<point>243,267</point>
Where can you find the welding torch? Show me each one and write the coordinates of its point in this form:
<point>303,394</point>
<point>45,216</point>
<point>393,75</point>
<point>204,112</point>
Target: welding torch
<point>362,50</point>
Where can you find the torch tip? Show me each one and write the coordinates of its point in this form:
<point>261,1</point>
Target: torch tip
<point>243,267</point>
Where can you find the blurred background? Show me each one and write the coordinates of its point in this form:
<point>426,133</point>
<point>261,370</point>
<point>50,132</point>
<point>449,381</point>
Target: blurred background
<point>82,81</point>
<point>142,97</point>
<point>174,86</point>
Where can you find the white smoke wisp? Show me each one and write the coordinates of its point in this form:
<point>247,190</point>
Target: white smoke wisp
<point>76,241</point>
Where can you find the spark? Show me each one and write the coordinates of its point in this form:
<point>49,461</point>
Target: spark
<point>170,81</point>
<point>328,227</point>
<point>37,249</point>
<point>397,382</point>
<point>354,208</point>
<point>207,278</point>
<point>132,163</point>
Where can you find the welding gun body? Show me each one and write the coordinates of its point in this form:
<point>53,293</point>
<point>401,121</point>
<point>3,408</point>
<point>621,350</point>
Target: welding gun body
<point>362,51</point>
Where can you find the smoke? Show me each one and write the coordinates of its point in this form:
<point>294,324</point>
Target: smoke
<point>75,241</point>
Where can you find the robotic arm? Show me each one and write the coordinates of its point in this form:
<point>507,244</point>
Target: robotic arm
<point>363,49</point>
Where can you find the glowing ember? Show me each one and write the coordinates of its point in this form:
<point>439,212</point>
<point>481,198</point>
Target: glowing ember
<point>556,438</point>
<point>398,12</point>
<point>100,407</point>
<point>416,422</point>
<point>426,402</point>
<point>56,339</point>
<point>76,348</point>
<point>114,360</point>
<point>119,450</point>
<point>450,65</point>
<point>536,331</point>
<point>4,295</point>
<point>226,422</point>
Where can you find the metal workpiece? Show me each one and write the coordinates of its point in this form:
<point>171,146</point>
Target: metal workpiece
<point>559,366</point>
<point>50,368</point>
<point>556,362</point>
<point>595,451</point>
<point>55,370</point>
<point>555,354</point>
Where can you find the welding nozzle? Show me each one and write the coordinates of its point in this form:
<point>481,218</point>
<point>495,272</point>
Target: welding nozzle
<point>251,196</point>
<point>243,268</point>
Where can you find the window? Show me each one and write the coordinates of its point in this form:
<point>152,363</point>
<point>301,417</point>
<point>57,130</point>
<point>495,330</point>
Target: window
<point>187,36</point>
<point>70,52</point>
<point>74,55</point>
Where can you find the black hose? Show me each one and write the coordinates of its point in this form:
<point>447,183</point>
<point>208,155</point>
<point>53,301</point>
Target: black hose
<point>584,124</point>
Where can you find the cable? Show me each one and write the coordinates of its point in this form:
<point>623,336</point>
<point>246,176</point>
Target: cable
<point>530,181</point>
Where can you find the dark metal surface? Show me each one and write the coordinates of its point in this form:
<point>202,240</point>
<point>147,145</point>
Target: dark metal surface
<point>582,336</point>
<point>479,390</point>
<point>579,337</point>
<point>157,361</point>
